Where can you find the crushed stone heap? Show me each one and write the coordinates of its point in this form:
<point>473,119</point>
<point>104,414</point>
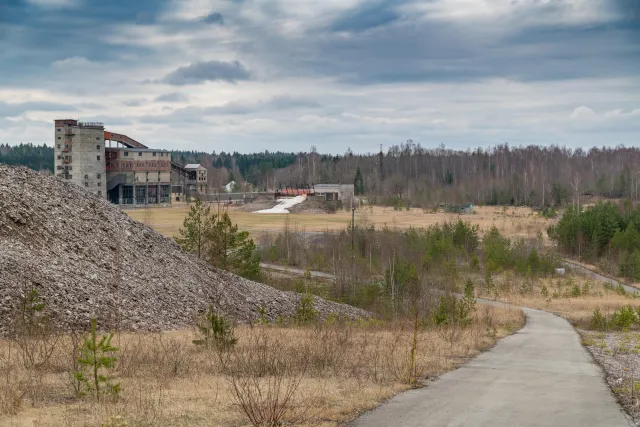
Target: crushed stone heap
<point>87,258</point>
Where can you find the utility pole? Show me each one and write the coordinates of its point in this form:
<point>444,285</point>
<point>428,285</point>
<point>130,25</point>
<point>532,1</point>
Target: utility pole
<point>353,225</point>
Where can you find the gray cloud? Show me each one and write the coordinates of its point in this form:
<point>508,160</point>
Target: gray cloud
<point>197,114</point>
<point>214,18</point>
<point>367,16</point>
<point>12,110</point>
<point>201,72</point>
<point>172,97</point>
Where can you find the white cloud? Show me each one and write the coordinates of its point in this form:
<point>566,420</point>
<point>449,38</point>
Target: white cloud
<point>54,3</point>
<point>583,113</point>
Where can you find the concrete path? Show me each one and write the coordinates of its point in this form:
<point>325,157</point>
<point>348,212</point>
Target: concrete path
<point>297,271</point>
<point>540,376</point>
<point>599,277</point>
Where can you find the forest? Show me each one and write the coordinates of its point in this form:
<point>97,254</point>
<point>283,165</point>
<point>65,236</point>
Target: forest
<point>36,157</point>
<point>411,175</point>
<point>605,234</point>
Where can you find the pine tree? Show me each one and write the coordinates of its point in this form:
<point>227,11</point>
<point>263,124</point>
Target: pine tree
<point>358,182</point>
<point>197,231</point>
<point>233,250</point>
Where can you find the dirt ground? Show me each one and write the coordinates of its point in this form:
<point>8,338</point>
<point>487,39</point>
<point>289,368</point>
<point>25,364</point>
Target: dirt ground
<point>513,222</point>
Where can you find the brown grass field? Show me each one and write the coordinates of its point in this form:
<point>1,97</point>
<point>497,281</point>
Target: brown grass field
<point>512,221</point>
<point>560,300</point>
<point>342,370</point>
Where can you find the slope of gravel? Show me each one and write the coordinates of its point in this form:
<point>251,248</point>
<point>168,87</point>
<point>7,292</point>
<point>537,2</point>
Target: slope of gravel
<point>87,258</point>
<point>618,353</point>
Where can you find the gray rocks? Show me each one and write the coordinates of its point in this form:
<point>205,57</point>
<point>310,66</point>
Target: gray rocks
<point>87,258</point>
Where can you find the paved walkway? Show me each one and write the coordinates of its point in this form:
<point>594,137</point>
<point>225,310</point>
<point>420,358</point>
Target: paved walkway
<point>541,376</point>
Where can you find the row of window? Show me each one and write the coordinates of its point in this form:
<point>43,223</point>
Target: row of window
<point>86,184</point>
<point>126,154</point>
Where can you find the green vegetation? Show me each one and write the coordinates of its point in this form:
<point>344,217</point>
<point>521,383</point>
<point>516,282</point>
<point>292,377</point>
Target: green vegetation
<point>97,355</point>
<point>387,268</point>
<point>215,331</point>
<point>606,234</point>
<point>214,238</point>
<point>36,157</point>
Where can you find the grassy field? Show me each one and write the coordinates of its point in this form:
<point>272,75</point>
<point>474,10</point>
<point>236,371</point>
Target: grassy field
<point>573,297</point>
<point>337,370</point>
<point>512,222</point>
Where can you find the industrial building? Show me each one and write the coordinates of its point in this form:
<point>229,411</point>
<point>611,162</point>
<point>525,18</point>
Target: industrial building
<point>342,192</point>
<point>117,167</point>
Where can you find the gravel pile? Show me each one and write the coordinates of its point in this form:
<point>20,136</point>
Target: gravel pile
<point>618,353</point>
<point>87,258</point>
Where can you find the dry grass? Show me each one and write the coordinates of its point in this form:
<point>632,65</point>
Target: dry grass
<point>168,381</point>
<point>577,309</point>
<point>512,222</point>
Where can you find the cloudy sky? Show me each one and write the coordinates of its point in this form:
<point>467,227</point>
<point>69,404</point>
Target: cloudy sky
<point>254,75</point>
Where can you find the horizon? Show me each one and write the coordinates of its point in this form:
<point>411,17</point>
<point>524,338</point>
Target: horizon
<point>206,75</point>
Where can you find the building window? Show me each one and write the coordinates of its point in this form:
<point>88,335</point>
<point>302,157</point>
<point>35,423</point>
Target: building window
<point>59,157</point>
<point>140,154</point>
<point>98,147</point>
<point>86,184</point>
<point>58,145</point>
<point>59,130</point>
<point>99,176</point>
<point>99,184</point>
<point>69,176</point>
<point>68,168</point>
<point>97,138</point>
<point>59,137</point>
<point>98,157</point>
<point>99,193</point>
<point>86,177</point>
<point>126,154</point>
<point>154,154</point>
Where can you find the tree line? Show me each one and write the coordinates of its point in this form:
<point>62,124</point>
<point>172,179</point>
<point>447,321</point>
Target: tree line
<point>536,176</point>
<point>411,175</point>
<point>606,234</point>
<point>36,157</point>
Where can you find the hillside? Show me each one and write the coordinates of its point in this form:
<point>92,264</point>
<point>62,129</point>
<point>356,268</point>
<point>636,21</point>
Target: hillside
<point>87,258</point>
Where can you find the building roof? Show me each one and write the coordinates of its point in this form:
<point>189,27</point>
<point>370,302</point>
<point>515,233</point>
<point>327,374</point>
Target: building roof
<point>194,166</point>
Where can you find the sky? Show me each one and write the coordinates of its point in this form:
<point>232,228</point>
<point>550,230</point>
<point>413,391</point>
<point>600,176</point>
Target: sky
<point>255,75</point>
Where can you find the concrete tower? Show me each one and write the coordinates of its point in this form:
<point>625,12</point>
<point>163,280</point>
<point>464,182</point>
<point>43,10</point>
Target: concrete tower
<point>79,154</point>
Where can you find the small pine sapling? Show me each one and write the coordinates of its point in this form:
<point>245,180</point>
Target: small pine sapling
<point>96,356</point>
<point>305,310</point>
<point>215,331</point>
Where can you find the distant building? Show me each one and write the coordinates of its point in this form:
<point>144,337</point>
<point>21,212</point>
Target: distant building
<point>342,192</point>
<point>125,172</point>
<point>80,155</point>
<point>197,180</point>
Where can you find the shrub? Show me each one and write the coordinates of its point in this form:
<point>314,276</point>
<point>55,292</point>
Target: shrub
<point>305,310</point>
<point>215,331</point>
<point>598,321</point>
<point>32,330</point>
<point>623,318</point>
<point>545,291</point>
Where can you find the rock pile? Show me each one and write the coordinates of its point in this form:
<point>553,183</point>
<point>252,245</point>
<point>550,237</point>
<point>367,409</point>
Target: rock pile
<point>87,258</point>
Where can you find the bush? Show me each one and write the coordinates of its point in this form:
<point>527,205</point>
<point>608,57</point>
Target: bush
<point>305,310</point>
<point>623,318</point>
<point>215,332</point>
<point>598,321</point>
